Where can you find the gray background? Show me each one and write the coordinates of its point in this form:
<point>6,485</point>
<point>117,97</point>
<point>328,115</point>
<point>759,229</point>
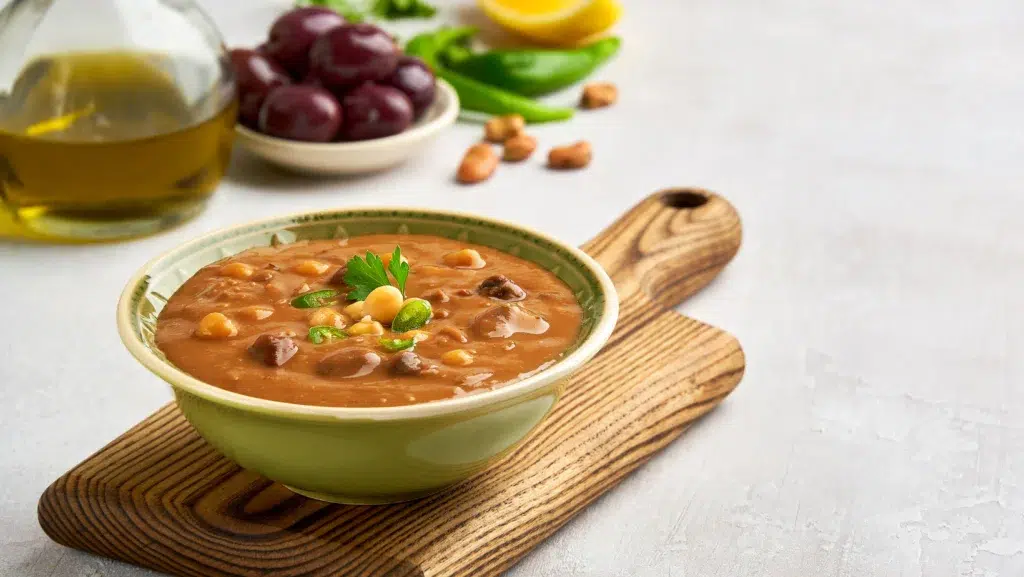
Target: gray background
<point>874,149</point>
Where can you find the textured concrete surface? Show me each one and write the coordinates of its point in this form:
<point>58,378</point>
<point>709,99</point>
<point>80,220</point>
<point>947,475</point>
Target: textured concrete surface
<point>874,150</point>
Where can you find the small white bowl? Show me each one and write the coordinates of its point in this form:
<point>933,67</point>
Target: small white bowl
<point>360,157</point>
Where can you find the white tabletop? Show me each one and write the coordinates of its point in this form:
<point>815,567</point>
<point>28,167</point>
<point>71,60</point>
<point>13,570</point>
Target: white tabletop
<point>874,150</point>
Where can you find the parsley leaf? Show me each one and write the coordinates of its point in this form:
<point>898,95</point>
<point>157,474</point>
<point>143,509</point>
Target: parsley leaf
<point>356,11</point>
<point>352,12</point>
<point>395,9</point>
<point>399,269</point>
<point>364,275</point>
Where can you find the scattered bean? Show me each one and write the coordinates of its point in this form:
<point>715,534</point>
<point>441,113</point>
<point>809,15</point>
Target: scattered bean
<point>519,148</point>
<point>501,128</point>
<point>570,157</point>
<point>478,164</point>
<point>598,95</point>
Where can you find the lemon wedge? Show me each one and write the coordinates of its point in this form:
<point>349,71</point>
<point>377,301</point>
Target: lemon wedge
<point>560,22</point>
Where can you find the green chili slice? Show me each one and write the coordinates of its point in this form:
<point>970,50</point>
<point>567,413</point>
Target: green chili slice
<point>315,299</point>
<point>322,333</point>
<point>395,345</point>
<point>413,315</point>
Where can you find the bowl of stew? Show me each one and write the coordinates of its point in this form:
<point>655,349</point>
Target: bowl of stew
<point>368,355</point>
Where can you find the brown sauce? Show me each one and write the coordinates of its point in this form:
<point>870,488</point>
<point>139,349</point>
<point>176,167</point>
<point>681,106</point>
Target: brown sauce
<point>490,325</point>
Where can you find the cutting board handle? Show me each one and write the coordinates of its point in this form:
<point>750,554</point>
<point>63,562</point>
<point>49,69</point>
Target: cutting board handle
<point>670,245</point>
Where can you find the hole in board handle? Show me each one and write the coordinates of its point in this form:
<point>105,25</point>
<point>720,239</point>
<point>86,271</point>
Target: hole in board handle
<point>684,199</point>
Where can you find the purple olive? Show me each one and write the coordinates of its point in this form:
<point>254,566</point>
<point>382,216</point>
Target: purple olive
<point>255,75</point>
<point>293,33</point>
<point>375,111</point>
<point>352,54</point>
<point>416,80</point>
<point>301,112</point>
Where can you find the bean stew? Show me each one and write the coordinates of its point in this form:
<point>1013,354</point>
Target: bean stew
<point>370,321</point>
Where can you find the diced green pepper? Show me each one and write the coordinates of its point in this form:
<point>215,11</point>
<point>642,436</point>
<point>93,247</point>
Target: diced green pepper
<point>315,299</point>
<point>322,333</point>
<point>395,345</point>
<point>414,314</point>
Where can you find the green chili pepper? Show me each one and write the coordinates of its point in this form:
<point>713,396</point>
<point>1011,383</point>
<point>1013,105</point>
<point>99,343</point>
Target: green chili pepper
<point>531,72</point>
<point>315,299</point>
<point>395,345</point>
<point>413,315</point>
<point>320,333</point>
<point>473,94</point>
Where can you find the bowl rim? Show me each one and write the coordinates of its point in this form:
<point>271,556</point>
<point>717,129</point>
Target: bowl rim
<point>446,117</point>
<point>178,379</point>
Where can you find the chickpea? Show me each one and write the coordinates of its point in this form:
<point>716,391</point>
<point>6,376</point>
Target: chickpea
<point>238,270</point>
<point>416,335</point>
<point>327,317</point>
<point>599,94</point>
<point>354,310</point>
<point>216,326</point>
<point>501,128</point>
<point>465,258</point>
<point>478,164</point>
<point>312,267</point>
<point>457,358</point>
<point>366,327</point>
<point>572,156</point>
<point>257,312</point>
<point>519,148</point>
<point>383,303</point>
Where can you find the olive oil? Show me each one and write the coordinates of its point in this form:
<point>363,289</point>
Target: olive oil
<point>99,146</point>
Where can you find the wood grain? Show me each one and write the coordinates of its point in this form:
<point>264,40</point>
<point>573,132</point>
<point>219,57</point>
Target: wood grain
<point>160,497</point>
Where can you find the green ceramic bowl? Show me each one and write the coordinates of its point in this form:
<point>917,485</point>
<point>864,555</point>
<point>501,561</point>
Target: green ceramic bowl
<point>367,455</point>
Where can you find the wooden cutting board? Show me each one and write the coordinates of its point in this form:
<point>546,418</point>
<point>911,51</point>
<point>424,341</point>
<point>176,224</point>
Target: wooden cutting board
<point>160,497</point>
